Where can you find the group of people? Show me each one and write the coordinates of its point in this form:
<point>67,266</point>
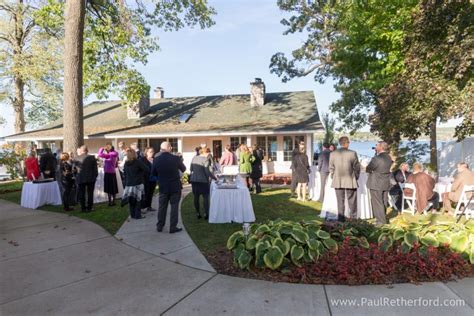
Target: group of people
<point>344,168</point>
<point>76,173</point>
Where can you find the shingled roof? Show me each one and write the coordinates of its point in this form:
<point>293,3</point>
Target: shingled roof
<point>222,114</point>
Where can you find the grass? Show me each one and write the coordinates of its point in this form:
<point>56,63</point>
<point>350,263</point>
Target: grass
<point>110,218</point>
<point>270,204</point>
<point>10,186</point>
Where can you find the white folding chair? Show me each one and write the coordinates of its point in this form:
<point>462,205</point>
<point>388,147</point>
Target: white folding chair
<point>465,198</point>
<point>411,200</point>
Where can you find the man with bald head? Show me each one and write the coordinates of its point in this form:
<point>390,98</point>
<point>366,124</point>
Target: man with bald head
<point>379,181</point>
<point>166,168</point>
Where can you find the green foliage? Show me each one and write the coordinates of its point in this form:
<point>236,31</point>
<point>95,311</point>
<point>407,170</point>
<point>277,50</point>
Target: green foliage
<point>119,35</point>
<point>407,63</point>
<point>30,66</point>
<point>275,243</point>
<point>329,129</point>
<point>437,83</point>
<point>11,156</point>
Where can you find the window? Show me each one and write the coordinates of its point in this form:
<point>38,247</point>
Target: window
<point>174,144</point>
<point>156,143</point>
<point>262,143</point>
<point>287,148</point>
<point>272,147</point>
<point>142,144</point>
<point>235,142</point>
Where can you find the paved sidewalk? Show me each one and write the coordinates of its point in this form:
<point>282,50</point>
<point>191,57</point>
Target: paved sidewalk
<point>55,264</point>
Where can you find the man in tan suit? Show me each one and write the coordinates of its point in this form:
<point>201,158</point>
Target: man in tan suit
<point>344,168</point>
<point>463,177</point>
<point>424,184</point>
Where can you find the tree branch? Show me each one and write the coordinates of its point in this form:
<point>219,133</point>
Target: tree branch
<point>311,69</point>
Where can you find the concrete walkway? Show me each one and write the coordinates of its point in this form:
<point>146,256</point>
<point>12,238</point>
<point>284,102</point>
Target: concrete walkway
<point>55,264</point>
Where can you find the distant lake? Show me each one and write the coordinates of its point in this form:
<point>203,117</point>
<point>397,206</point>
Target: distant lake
<point>364,148</point>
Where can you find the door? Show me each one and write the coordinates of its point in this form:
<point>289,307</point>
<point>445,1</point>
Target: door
<point>217,149</point>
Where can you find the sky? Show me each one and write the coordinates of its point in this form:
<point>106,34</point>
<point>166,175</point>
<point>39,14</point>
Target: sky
<point>225,58</point>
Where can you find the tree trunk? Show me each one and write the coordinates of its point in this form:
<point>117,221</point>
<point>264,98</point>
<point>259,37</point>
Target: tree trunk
<point>73,125</point>
<point>433,147</point>
<point>19,84</point>
<point>19,105</point>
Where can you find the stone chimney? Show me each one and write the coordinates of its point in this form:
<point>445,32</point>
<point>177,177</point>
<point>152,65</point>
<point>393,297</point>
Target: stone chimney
<point>257,93</point>
<point>138,109</point>
<point>159,93</point>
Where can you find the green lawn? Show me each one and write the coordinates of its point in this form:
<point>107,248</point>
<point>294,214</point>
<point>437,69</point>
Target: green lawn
<point>9,186</point>
<point>270,204</point>
<point>110,218</point>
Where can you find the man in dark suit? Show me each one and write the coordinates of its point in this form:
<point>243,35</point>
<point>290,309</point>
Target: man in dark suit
<point>47,164</point>
<point>344,168</point>
<point>86,174</point>
<point>379,181</point>
<point>166,168</point>
<point>323,168</point>
<point>399,176</point>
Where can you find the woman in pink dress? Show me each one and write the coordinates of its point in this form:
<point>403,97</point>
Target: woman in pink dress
<point>110,157</point>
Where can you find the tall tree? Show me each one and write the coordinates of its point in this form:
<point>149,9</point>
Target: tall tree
<point>438,81</point>
<point>73,123</point>
<point>30,69</point>
<point>118,35</point>
<point>363,45</point>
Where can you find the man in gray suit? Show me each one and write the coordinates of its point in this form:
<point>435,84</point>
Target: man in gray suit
<point>344,168</point>
<point>379,181</point>
<point>323,168</point>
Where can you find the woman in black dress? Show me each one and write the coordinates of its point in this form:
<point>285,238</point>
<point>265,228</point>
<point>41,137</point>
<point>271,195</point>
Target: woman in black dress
<point>301,171</point>
<point>134,191</point>
<point>67,180</point>
<point>149,181</point>
<point>257,167</point>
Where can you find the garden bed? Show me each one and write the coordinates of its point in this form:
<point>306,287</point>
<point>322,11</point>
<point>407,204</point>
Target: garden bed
<point>292,244</point>
<point>222,260</point>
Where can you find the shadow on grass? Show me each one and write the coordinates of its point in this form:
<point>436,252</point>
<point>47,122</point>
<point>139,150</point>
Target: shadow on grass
<point>270,204</point>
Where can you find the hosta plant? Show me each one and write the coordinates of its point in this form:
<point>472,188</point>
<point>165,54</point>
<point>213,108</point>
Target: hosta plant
<point>276,244</point>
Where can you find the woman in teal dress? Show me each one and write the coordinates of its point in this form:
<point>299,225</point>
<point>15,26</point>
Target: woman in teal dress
<point>246,159</point>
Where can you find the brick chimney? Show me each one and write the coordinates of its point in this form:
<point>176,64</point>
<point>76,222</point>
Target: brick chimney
<point>257,93</point>
<point>159,93</point>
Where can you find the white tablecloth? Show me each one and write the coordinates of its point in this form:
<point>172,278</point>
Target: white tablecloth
<point>364,207</point>
<point>444,185</point>
<point>231,205</point>
<point>34,195</point>
<point>99,194</point>
<point>314,185</point>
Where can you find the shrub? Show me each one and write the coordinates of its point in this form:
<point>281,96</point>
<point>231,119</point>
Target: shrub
<point>11,157</point>
<point>279,243</point>
<point>373,265</point>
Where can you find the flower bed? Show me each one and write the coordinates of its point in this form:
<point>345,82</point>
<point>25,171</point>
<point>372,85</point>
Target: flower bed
<point>355,252</point>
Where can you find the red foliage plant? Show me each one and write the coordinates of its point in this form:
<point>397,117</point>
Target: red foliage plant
<point>358,265</point>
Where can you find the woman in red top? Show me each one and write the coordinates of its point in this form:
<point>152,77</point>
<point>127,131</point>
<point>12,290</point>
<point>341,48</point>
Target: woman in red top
<point>32,167</point>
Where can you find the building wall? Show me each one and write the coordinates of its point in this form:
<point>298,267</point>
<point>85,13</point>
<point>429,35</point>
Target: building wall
<point>187,145</point>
